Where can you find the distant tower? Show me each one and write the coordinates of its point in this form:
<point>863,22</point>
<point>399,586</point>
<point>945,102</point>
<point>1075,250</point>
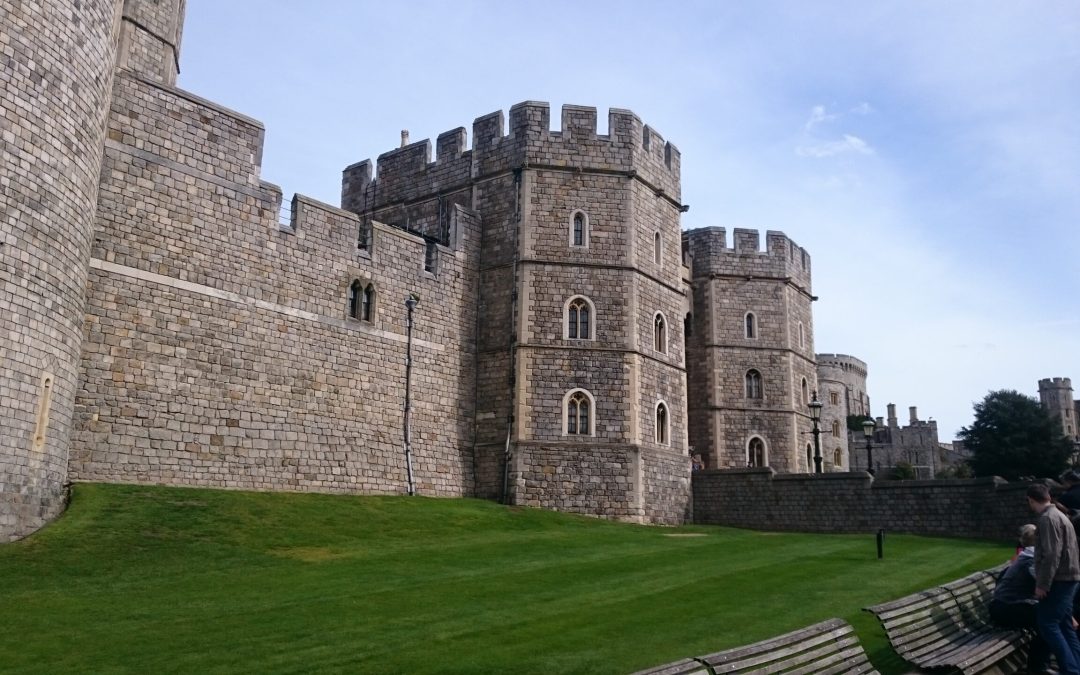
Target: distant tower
<point>1056,396</point>
<point>752,351</point>
<point>842,388</point>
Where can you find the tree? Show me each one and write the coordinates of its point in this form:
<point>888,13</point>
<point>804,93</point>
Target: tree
<point>1012,436</point>
<point>854,422</point>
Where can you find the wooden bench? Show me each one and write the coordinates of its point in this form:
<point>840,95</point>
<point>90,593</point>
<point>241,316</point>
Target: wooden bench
<point>830,647</point>
<point>949,627</point>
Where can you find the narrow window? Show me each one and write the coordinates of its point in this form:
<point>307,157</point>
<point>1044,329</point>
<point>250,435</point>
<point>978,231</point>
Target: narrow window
<point>41,425</point>
<point>578,418</point>
<point>658,249</point>
<point>753,385</point>
<point>431,257</point>
<point>367,307</point>
<point>836,429</point>
<point>755,453</point>
<point>578,316</point>
<point>355,291</point>
<point>661,424</point>
<point>362,237</point>
<point>579,229</point>
<point>837,458</point>
<point>660,334</point>
<point>805,392</point>
<point>802,335</point>
<point>751,325</point>
<point>834,398</point>
<point>809,459</point>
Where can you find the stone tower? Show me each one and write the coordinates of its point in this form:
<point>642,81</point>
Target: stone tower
<point>1056,396</point>
<point>56,104</point>
<point>54,101</point>
<point>752,351</point>
<point>842,389</point>
<point>580,395</point>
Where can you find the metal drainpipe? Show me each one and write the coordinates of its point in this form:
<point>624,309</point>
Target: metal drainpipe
<point>507,452</point>
<point>410,303</point>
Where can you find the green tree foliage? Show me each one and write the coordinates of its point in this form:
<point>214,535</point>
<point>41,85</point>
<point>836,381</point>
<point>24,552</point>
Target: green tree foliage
<point>1013,437</point>
<point>854,422</point>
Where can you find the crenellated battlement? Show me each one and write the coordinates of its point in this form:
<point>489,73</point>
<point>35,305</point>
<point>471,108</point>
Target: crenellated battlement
<point>782,257</point>
<point>844,362</point>
<point>1055,383</point>
<point>410,173</point>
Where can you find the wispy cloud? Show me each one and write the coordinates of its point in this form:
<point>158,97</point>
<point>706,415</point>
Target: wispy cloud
<point>846,144</point>
<point>818,116</point>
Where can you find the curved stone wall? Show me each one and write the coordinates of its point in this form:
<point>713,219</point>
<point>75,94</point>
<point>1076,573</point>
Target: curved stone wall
<point>57,78</point>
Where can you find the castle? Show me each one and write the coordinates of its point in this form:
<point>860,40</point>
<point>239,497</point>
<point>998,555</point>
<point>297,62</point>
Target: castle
<point>518,316</point>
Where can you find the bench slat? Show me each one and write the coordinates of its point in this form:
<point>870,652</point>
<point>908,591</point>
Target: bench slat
<point>684,667</point>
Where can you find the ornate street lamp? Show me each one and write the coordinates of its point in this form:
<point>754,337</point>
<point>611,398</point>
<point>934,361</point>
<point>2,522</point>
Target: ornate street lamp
<point>868,431</point>
<point>815,416</point>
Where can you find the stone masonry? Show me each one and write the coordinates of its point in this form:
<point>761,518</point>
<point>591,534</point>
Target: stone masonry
<point>842,391</point>
<point>162,326</point>
<point>752,322</point>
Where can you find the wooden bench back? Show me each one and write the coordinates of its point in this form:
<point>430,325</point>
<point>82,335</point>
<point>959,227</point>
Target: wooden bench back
<point>830,647</point>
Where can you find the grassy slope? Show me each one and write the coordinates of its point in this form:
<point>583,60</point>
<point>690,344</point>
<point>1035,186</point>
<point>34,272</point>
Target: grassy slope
<point>136,579</point>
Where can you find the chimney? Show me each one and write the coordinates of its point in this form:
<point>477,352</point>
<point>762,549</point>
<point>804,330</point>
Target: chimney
<point>892,415</point>
<point>404,137</point>
<point>913,412</point>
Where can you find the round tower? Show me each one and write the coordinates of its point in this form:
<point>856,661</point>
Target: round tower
<point>842,381</point>
<point>53,108</point>
<point>1056,396</point>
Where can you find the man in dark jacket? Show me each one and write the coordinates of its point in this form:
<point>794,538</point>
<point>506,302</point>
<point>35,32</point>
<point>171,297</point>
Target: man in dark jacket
<point>1057,571</point>
<point>1013,604</point>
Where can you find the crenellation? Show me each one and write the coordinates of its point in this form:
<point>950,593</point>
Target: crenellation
<point>220,343</point>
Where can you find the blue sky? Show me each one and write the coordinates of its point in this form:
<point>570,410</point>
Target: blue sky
<point>927,154</point>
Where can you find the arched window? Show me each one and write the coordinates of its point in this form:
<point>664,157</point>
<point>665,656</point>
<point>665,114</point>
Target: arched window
<point>805,393</point>
<point>809,458</point>
<point>662,424</point>
<point>751,325</point>
<point>658,249</point>
<point>659,333</point>
<point>579,229</point>
<point>356,290</point>
<point>367,303</point>
<point>577,413</point>
<point>579,319</point>
<point>837,458</point>
<point>802,335</point>
<point>753,385</point>
<point>755,453</point>
<point>836,429</point>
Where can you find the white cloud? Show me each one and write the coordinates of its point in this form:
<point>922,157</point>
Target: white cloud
<point>863,108</point>
<point>818,116</point>
<point>848,143</point>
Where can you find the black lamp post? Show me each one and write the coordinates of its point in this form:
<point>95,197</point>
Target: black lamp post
<point>815,416</point>
<point>410,304</point>
<point>868,431</point>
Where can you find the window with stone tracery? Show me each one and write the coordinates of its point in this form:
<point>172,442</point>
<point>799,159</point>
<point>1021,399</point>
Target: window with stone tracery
<point>659,333</point>
<point>753,385</point>
<point>662,423</point>
<point>579,317</point>
<point>577,413</point>
<point>579,229</point>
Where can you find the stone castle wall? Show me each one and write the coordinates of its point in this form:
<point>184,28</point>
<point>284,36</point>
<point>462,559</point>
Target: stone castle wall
<point>983,508</point>
<point>219,346</point>
<point>58,66</point>
<point>773,285</point>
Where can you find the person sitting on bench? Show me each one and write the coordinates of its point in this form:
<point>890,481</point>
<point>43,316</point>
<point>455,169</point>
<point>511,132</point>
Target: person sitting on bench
<point>1013,604</point>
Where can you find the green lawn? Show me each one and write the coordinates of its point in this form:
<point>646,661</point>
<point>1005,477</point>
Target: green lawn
<point>151,579</point>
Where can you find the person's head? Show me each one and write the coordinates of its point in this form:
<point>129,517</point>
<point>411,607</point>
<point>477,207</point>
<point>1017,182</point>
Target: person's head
<point>1038,496</point>
<point>1027,535</point>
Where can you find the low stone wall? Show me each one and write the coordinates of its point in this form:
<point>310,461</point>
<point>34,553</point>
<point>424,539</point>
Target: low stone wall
<point>760,499</point>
